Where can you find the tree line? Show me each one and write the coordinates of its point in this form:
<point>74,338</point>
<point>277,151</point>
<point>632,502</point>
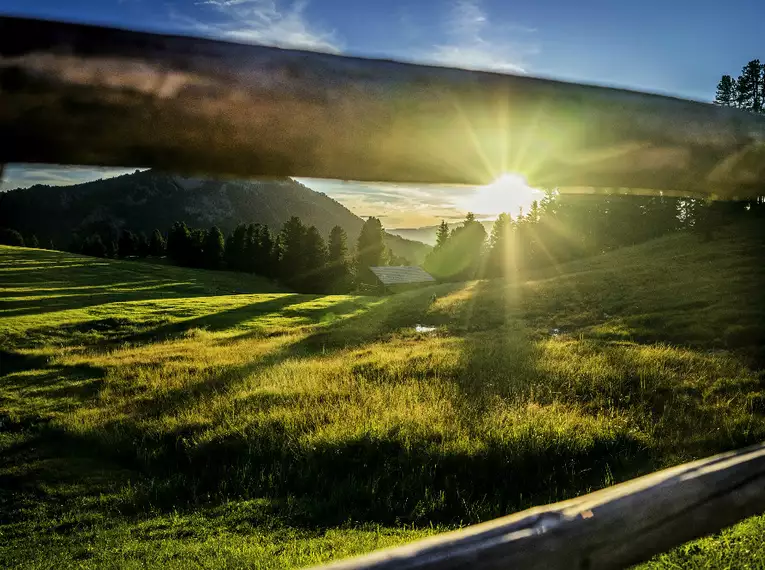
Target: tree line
<point>563,227</point>
<point>747,91</point>
<point>10,236</point>
<point>297,255</point>
<point>555,229</point>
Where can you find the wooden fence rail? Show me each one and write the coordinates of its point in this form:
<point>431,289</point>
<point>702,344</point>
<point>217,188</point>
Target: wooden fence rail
<point>613,528</point>
<point>76,94</point>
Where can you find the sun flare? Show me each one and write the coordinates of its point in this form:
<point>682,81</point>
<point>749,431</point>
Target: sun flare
<point>509,194</point>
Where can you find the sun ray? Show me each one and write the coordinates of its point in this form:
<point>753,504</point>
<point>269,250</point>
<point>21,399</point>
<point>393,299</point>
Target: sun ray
<point>469,129</point>
<point>507,194</point>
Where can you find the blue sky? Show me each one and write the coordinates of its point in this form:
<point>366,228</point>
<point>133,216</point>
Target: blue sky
<point>679,47</point>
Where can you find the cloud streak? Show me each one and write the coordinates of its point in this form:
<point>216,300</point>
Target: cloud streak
<point>23,176</point>
<point>265,22</point>
<point>397,205</point>
<point>472,41</point>
<point>403,206</point>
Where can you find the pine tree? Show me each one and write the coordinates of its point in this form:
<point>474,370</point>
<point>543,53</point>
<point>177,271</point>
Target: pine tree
<point>127,244</point>
<point>314,254</point>
<point>229,249</point>
<point>33,242</point>
<point>726,92</point>
<point>50,245</point>
<point>111,248</point>
<point>442,234</point>
<point>196,257</point>
<point>11,237</point>
<point>246,243</point>
<point>268,261</point>
<point>142,245</point>
<point>236,248</point>
<point>461,256</point>
<point>75,243</point>
<point>179,243</point>
<point>749,87</point>
<point>291,242</point>
<point>251,249</point>
<point>338,272</point>
<point>213,248</point>
<point>156,244</point>
<point>94,246</point>
<point>370,249</point>
<point>500,260</point>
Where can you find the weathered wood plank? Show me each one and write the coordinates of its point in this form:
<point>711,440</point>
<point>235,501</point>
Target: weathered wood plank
<point>78,94</point>
<point>612,528</point>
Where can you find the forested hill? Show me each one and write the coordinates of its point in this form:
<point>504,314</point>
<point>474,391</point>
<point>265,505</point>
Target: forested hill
<point>150,199</point>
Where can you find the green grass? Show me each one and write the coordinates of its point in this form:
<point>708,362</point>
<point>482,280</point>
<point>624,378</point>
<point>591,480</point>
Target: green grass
<point>164,417</point>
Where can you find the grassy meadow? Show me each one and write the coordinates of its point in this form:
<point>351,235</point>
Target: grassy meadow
<point>153,416</point>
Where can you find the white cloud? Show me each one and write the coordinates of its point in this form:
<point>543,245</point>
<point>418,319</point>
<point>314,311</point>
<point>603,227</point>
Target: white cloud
<point>467,19</point>
<point>473,41</point>
<point>266,22</point>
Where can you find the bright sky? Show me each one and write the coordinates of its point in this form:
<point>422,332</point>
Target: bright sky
<point>679,47</point>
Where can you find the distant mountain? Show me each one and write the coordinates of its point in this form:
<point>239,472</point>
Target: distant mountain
<point>150,199</point>
<point>427,234</point>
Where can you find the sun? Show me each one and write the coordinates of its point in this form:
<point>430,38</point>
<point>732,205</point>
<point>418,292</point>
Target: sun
<point>507,194</point>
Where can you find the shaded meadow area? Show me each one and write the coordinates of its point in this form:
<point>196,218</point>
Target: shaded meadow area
<point>171,417</point>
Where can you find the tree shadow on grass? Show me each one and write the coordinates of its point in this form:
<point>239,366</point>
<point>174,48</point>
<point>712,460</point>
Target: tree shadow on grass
<point>367,323</point>
<point>42,466</point>
<point>107,333</point>
<point>682,417</point>
<point>15,361</point>
<point>51,276</point>
<point>52,302</point>
<point>379,477</point>
<point>377,320</point>
<point>372,478</point>
<point>217,321</point>
<point>33,389</point>
<point>382,477</point>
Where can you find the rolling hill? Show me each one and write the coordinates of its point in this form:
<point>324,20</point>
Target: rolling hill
<point>150,417</point>
<point>150,199</point>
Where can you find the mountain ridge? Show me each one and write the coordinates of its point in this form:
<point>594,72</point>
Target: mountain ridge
<point>149,199</point>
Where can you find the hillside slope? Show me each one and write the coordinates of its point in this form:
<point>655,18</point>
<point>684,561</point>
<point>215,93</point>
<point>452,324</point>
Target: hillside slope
<point>280,430</point>
<point>149,199</point>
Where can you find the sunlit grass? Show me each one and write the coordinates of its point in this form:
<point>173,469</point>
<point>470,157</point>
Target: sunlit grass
<point>161,420</point>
